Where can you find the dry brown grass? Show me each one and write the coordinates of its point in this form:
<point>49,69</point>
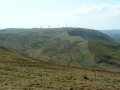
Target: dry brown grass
<point>36,75</point>
<point>39,78</point>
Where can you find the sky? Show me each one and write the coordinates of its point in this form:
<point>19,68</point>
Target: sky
<point>93,14</point>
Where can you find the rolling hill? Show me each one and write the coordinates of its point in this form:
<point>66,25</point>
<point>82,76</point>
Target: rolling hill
<point>115,34</point>
<point>73,47</point>
<point>18,72</point>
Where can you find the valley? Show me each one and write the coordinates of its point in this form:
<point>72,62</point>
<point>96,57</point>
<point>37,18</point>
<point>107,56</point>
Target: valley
<point>115,34</point>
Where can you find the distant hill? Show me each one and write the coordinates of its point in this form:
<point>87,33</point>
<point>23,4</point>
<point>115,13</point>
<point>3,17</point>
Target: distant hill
<point>115,34</point>
<point>73,47</point>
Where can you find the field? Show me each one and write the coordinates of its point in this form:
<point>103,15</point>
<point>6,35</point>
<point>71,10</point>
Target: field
<point>23,73</point>
<point>23,76</point>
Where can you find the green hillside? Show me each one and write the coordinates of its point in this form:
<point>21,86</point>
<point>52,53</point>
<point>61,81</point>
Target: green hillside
<point>14,59</point>
<point>74,47</point>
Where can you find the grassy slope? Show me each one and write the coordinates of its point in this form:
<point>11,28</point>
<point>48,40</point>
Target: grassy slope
<point>107,55</point>
<point>64,46</point>
<point>56,46</point>
<point>22,73</point>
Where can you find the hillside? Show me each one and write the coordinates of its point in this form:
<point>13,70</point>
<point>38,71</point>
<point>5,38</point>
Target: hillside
<point>9,58</point>
<point>19,72</point>
<point>115,34</point>
<point>73,47</point>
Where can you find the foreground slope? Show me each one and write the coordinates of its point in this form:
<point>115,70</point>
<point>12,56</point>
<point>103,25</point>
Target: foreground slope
<point>74,47</point>
<point>18,72</point>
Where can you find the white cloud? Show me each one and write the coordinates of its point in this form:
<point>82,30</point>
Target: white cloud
<point>93,16</point>
<point>90,10</point>
<point>89,16</point>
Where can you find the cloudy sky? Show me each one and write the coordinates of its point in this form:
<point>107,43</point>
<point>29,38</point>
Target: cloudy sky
<point>94,14</point>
